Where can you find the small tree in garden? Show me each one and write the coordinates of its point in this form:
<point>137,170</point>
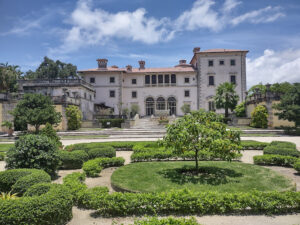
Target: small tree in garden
<point>226,97</point>
<point>186,108</point>
<point>259,117</point>
<point>74,117</point>
<point>36,110</point>
<point>34,151</point>
<point>240,110</point>
<point>51,133</point>
<point>134,109</point>
<point>205,132</point>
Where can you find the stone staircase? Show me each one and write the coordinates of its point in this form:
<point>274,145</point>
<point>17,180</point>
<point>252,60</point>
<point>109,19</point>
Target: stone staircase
<point>147,124</point>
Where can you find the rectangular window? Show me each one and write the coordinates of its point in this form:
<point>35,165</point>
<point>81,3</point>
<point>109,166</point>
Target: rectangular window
<point>147,79</point>
<point>153,77</point>
<point>112,94</point>
<point>186,93</point>
<point>221,62</point>
<point>134,94</point>
<point>233,79</point>
<point>133,81</point>
<point>186,80</point>
<point>210,63</point>
<point>92,79</point>
<point>211,106</point>
<point>112,80</point>
<point>173,79</point>
<point>160,79</point>
<point>167,79</point>
<point>211,80</point>
<point>232,62</point>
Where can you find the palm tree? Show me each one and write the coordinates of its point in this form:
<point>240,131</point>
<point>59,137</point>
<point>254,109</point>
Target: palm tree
<point>226,97</point>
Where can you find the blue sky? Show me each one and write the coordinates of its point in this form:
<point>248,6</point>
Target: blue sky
<point>160,32</point>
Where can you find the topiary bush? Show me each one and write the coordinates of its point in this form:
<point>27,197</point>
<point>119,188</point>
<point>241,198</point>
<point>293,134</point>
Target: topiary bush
<point>297,165</point>
<point>259,117</point>
<point>73,160</point>
<point>275,160</point>
<point>34,151</point>
<point>104,152</point>
<point>274,150</point>
<point>37,189</point>
<point>166,221</point>
<point>253,145</point>
<point>107,123</point>
<point>51,133</point>
<point>240,110</point>
<point>74,117</point>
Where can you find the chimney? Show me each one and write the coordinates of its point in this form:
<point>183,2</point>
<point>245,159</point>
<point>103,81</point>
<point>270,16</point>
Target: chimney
<point>102,63</point>
<point>142,64</point>
<point>129,68</point>
<point>182,61</point>
<point>196,49</point>
<point>114,66</point>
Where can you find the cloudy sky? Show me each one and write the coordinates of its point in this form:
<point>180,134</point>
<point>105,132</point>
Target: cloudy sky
<point>160,32</point>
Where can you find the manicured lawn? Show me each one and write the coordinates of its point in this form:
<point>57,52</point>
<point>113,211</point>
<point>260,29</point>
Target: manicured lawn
<point>215,176</point>
<point>5,147</point>
<point>260,135</point>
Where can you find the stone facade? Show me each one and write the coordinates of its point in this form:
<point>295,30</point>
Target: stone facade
<point>156,89</point>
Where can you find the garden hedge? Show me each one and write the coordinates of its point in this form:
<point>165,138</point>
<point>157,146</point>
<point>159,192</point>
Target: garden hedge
<point>253,145</point>
<point>166,221</point>
<point>297,165</point>
<point>107,123</point>
<point>38,189</point>
<point>282,148</point>
<point>105,152</point>
<point>21,179</point>
<point>275,160</point>
<point>73,160</point>
<point>2,156</point>
<point>93,167</point>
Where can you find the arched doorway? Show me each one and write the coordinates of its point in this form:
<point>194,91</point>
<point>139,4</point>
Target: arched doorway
<point>160,103</point>
<point>149,106</point>
<point>172,105</point>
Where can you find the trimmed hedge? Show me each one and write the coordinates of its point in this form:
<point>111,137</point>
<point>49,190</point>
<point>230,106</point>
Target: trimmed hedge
<point>73,160</point>
<point>93,167</point>
<point>107,123</point>
<point>253,145</point>
<point>51,208</point>
<point>185,202</point>
<point>105,152</point>
<point>2,156</point>
<point>283,144</point>
<point>38,189</point>
<point>297,165</point>
<point>275,160</point>
<point>282,148</point>
<point>166,221</point>
<point>21,179</point>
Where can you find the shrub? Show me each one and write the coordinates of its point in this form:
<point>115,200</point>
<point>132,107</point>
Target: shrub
<point>297,165</point>
<point>107,123</point>
<point>38,189</point>
<point>253,145</point>
<point>185,202</point>
<point>2,156</point>
<point>74,159</point>
<point>93,167</point>
<point>34,151</point>
<point>85,196</point>
<point>51,208</point>
<point>274,150</point>
<point>166,221</point>
<point>276,160</point>
<point>75,184</point>
<point>51,133</point>
<point>240,110</point>
<point>74,117</point>
<point>105,152</point>
<point>283,144</point>
<point>21,178</point>
<point>259,117</point>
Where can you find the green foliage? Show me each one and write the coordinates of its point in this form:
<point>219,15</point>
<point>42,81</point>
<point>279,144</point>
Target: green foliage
<point>51,133</point>
<point>259,117</point>
<point>261,88</point>
<point>93,167</point>
<point>8,196</point>
<point>72,160</point>
<point>282,148</point>
<point>134,109</point>
<point>185,202</point>
<point>289,106</point>
<point>75,184</point>
<point>202,131</point>
<point>104,152</point>
<point>74,117</point>
<point>2,156</point>
<point>51,208</point>
<point>281,88</point>
<point>9,74</point>
<point>253,145</point>
<point>34,151</point>
<point>37,189</point>
<point>275,160</point>
<point>226,97</point>
<point>36,109</point>
<point>7,124</point>
<point>186,108</point>
<point>297,165</point>
<point>166,221</point>
<point>240,110</point>
<point>49,69</point>
<point>21,179</point>
<point>107,123</point>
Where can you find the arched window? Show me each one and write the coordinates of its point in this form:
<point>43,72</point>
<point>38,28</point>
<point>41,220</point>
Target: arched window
<point>160,103</point>
<point>172,105</point>
<point>149,106</point>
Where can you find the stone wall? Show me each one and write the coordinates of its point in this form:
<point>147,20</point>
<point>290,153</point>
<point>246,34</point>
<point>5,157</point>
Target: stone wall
<point>5,108</point>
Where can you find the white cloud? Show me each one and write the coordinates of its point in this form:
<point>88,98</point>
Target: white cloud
<point>265,15</point>
<point>229,5</point>
<point>274,67</point>
<point>24,27</point>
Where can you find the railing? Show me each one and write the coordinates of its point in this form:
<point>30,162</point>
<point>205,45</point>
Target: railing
<point>65,100</point>
<point>56,81</point>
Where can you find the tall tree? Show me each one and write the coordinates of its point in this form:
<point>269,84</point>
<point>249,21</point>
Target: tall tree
<point>261,88</point>
<point>9,74</point>
<point>289,106</point>
<point>226,97</point>
<point>36,110</point>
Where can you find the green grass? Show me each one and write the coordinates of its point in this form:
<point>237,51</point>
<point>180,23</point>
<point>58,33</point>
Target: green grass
<point>74,137</point>
<point>260,135</point>
<point>89,129</point>
<point>5,147</point>
<point>215,176</point>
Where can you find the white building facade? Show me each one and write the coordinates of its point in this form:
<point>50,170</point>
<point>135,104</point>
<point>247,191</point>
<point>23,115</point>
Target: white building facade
<point>168,89</point>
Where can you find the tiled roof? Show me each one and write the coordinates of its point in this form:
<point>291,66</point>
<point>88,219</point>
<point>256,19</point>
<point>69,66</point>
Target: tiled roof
<point>187,68</point>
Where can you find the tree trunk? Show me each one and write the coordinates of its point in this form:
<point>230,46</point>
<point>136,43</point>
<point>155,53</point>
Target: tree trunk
<point>37,127</point>
<point>226,112</point>
<point>196,159</point>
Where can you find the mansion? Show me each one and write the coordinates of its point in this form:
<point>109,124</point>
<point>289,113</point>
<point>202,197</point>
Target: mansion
<point>168,89</point>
